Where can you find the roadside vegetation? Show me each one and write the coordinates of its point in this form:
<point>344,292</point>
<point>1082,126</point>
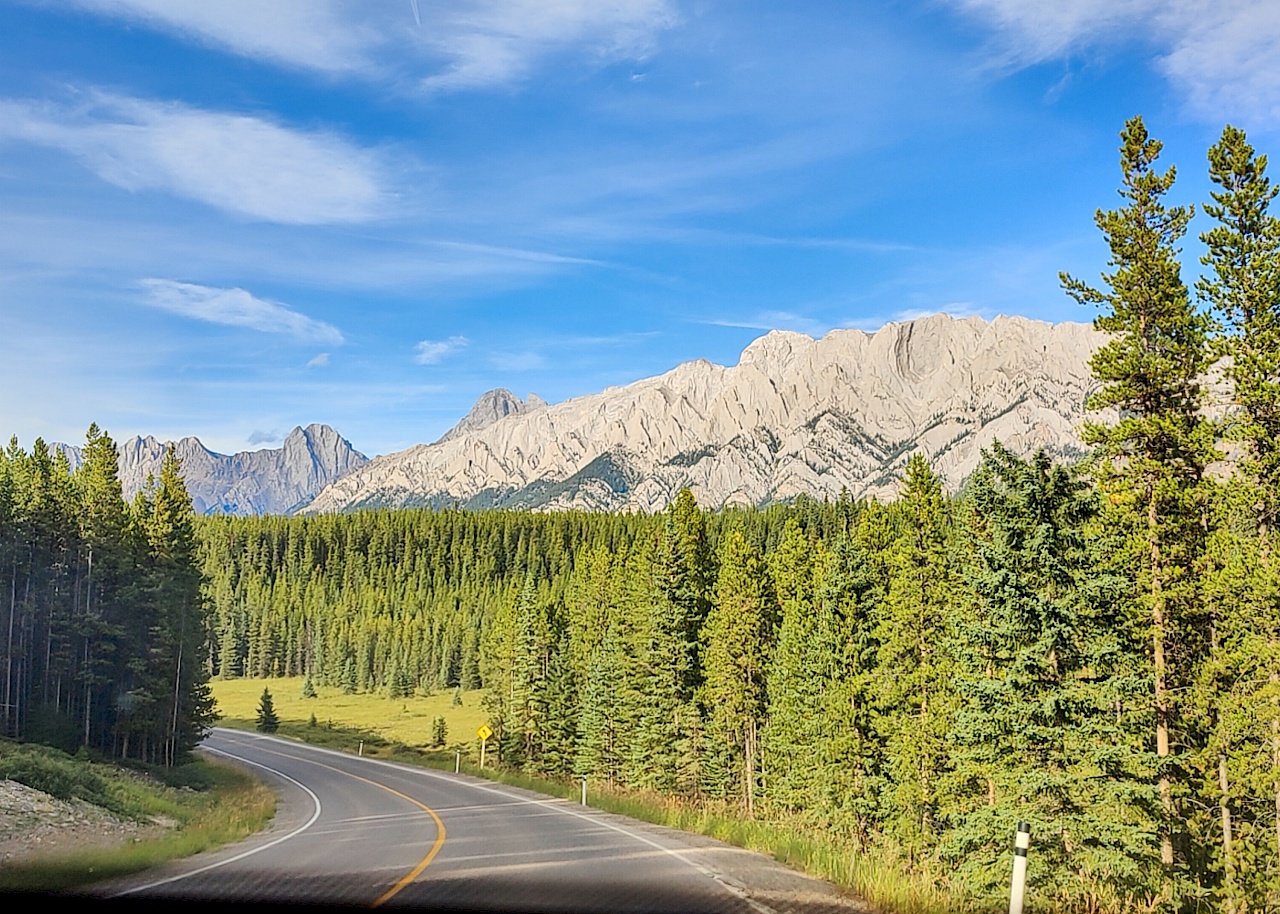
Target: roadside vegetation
<point>194,806</point>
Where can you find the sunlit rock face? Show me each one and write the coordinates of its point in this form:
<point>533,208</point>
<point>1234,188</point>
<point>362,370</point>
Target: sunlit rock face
<point>268,481</point>
<point>795,415</point>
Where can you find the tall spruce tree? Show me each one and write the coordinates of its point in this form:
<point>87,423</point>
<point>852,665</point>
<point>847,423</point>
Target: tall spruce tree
<point>177,678</point>
<point>803,665</point>
<point>1152,457</point>
<point>669,733</point>
<point>1037,737</point>
<point>1243,253</point>
<point>914,692</point>
<point>736,640</point>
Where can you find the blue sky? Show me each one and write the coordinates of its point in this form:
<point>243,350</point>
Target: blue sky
<point>230,218</point>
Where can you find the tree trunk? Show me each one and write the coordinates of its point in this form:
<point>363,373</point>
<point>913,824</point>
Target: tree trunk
<point>1158,623</point>
<point>1228,860</point>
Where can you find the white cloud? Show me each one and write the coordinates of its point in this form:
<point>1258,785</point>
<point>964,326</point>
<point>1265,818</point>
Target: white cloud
<point>257,436</point>
<point>236,308</point>
<point>774,320</point>
<point>491,42</point>
<point>481,42</point>
<point>314,34</point>
<point>244,165</point>
<point>319,360</point>
<point>1223,54</point>
<point>430,352</point>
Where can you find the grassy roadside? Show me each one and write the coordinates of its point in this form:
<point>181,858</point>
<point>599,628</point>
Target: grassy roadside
<point>396,730</point>
<point>211,802</point>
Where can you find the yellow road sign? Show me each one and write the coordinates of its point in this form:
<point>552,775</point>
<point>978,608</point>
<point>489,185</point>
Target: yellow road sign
<point>484,732</point>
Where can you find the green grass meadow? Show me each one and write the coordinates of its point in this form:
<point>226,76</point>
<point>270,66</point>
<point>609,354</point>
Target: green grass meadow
<point>343,721</point>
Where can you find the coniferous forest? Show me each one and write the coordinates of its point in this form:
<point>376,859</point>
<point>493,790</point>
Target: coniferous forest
<point>104,622</point>
<point>1092,648</point>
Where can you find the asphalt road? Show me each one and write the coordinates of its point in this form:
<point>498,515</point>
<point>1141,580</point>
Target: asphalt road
<point>362,832</point>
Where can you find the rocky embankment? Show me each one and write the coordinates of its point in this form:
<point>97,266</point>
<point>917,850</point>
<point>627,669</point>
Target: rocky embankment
<point>33,824</point>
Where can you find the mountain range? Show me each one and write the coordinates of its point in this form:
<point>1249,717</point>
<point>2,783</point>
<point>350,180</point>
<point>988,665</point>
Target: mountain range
<point>796,415</point>
<point>840,414</point>
<point>268,481</point>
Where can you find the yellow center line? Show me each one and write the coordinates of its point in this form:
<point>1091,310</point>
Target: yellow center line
<point>424,862</point>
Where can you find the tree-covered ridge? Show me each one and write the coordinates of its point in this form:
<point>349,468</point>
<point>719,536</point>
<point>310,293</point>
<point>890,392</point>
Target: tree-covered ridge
<point>104,633</point>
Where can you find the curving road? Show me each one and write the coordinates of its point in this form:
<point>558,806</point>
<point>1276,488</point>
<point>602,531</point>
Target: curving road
<point>364,832</point>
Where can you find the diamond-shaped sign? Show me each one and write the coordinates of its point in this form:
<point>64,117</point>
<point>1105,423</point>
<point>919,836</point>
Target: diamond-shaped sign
<point>484,732</point>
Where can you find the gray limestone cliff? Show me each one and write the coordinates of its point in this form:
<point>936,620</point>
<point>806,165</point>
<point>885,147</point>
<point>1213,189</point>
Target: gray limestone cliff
<point>268,481</point>
<point>795,415</point>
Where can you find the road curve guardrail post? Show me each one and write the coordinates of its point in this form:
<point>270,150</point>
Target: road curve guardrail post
<point>1020,846</point>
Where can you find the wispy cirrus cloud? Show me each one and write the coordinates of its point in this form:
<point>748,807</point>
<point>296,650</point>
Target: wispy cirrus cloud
<point>244,165</point>
<point>314,34</point>
<point>774,320</point>
<point>236,308</point>
<point>1223,54</point>
<point>493,42</point>
<point>431,352</point>
<point>463,44</point>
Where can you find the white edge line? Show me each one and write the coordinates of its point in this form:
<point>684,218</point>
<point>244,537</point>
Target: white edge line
<point>553,804</point>
<point>249,853</point>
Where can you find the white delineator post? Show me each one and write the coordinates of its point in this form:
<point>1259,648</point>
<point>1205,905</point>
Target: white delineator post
<point>1020,845</point>
<point>584,791</point>
<point>457,760</point>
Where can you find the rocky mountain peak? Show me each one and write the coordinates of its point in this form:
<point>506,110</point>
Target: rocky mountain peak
<point>795,415</point>
<point>268,481</point>
<point>492,406</point>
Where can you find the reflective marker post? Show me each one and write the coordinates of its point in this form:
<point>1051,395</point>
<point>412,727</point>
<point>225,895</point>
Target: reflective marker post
<point>457,760</point>
<point>1020,845</point>
<point>584,791</point>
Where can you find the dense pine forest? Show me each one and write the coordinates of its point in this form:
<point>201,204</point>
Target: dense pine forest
<point>104,622</point>
<point>1093,648</point>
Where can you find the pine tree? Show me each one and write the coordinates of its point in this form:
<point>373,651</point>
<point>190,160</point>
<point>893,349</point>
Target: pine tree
<point>1243,251</point>
<point>267,721</point>
<point>735,645</point>
<point>1036,737</point>
<point>348,679</point>
<point>1152,458</point>
<point>668,735</point>
<point>177,675</point>
<point>913,688</point>
<point>802,667</point>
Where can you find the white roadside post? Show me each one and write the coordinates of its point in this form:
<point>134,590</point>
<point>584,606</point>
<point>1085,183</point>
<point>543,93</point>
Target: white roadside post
<point>360,751</point>
<point>457,760</point>
<point>584,791</point>
<point>1020,846</point>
